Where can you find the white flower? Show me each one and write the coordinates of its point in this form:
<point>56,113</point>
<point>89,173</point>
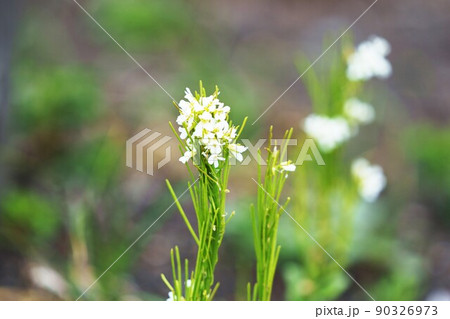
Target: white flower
<point>182,118</point>
<point>213,146</point>
<point>208,102</point>
<point>236,150</point>
<point>329,132</point>
<point>370,179</point>
<point>188,283</point>
<point>193,103</point>
<point>287,166</point>
<point>222,112</point>
<point>183,133</point>
<point>205,116</point>
<point>369,60</point>
<point>358,111</point>
<point>206,120</point>
<point>171,297</point>
<point>221,128</point>
<point>187,156</point>
<point>186,108</point>
<point>214,159</point>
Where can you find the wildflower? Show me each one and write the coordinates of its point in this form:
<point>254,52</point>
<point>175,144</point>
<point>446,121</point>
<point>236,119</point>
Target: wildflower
<point>370,179</point>
<point>236,150</point>
<point>329,132</point>
<point>369,60</point>
<point>207,137</point>
<point>205,119</point>
<point>187,156</point>
<point>266,216</point>
<point>287,166</point>
<point>171,297</point>
<point>183,132</point>
<point>214,159</point>
<point>358,111</point>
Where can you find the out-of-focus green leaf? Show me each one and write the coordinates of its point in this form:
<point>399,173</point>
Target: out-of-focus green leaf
<point>55,98</point>
<point>142,24</point>
<point>428,148</point>
<point>28,216</point>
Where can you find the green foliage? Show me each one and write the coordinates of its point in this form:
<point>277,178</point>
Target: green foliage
<point>143,23</point>
<point>428,148</point>
<point>265,220</point>
<point>325,205</point>
<point>55,98</point>
<point>404,280</point>
<point>28,217</point>
<point>329,87</point>
<point>303,286</point>
<point>327,196</point>
<point>92,164</point>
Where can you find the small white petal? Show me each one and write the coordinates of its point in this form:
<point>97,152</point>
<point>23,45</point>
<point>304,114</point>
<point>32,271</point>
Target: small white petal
<point>236,150</point>
<point>287,166</point>
<point>170,294</point>
<point>183,132</point>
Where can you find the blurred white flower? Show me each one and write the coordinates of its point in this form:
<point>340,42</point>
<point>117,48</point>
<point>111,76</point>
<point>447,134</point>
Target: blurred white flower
<point>369,60</point>
<point>206,120</point>
<point>170,296</point>
<point>369,178</point>
<point>329,132</point>
<point>287,166</point>
<point>47,278</point>
<point>359,111</point>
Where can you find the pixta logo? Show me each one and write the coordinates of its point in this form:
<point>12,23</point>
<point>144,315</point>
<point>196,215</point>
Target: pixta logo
<point>144,145</point>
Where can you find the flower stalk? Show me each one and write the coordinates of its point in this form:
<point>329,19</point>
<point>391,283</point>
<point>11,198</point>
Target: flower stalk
<point>208,139</point>
<point>265,219</point>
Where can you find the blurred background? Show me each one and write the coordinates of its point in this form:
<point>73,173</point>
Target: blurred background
<point>70,98</point>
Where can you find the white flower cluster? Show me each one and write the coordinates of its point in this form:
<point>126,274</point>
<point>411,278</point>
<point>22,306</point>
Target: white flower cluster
<point>369,178</point>
<point>329,132</point>
<point>359,112</point>
<point>369,60</point>
<point>204,123</point>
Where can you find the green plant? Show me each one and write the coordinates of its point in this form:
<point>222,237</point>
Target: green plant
<point>265,219</point>
<point>328,195</point>
<point>427,148</point>
<point>209,139</point>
